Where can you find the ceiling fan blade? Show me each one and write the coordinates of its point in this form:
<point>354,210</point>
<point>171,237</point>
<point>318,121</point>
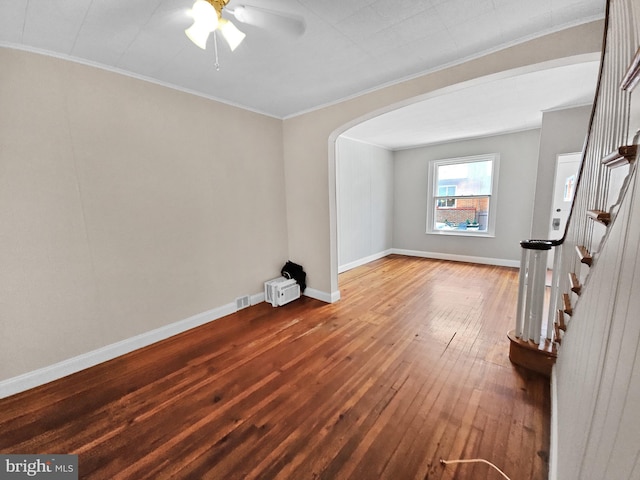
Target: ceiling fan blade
<point>269,19</point>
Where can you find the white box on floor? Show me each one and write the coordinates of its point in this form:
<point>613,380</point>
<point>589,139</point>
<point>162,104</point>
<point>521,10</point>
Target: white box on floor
<point>280,291</point>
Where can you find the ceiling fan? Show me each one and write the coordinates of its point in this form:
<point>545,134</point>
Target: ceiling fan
<point>207,18</point>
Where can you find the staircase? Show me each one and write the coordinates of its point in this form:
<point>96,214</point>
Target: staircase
<point>608,166</point>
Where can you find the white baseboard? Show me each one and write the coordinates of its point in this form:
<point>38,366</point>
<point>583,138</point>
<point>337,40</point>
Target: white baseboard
<point>322,296</point>
<point>47,374</point>
<point>257,298</point>
<point>501,262</point>
<point>61,369</point>
<point>363,261</point>
<point>553,443</point>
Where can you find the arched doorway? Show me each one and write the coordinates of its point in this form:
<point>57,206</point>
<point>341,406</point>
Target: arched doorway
<point>506,102</point>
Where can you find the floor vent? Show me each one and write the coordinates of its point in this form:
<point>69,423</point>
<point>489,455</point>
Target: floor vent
<point>243,302</point>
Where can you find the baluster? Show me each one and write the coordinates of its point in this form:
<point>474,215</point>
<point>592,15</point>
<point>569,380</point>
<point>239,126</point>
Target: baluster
<point>533,271</point>
<point>555,288</point>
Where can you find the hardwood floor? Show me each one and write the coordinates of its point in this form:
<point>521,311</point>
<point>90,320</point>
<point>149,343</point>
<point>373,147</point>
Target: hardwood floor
<point>409,367</point>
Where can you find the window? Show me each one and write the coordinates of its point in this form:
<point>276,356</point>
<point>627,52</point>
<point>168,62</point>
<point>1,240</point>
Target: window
<point>446,191</point>
<point>462,195</point>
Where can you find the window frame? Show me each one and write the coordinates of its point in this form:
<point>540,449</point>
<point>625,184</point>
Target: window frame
<point>432,197</point>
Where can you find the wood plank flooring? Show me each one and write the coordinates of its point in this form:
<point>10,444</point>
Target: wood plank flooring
<point>409,367</point>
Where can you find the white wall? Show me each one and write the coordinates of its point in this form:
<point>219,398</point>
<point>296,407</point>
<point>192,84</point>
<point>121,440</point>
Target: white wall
<point>527,190</point>
<point>563,131</point>
<point>597,373</point>
<point>125,207</point>
<point>365,201</point>
<point>518,162</point>
<point>598,366</point>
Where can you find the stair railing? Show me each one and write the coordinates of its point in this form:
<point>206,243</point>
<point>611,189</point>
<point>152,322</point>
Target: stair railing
<point>594,199</point>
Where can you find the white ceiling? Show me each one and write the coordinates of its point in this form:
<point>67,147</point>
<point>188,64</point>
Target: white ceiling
<point>349,47</point>
<point>482,108</point>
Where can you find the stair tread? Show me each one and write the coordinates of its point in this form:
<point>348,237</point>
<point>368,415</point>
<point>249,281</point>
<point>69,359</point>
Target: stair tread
<point>585,256</point>
<point>557,335</point>
<point>539,358</point>
<point>622,156</point>
<point>599,216</point>
<point>575,283</point>
<point>566,300</point>
<point>632,77</point>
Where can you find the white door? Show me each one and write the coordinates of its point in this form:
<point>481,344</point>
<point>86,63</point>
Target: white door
<point>564,187</point>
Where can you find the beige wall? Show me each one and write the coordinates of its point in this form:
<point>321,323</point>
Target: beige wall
<point>125,206</point>
<point>309,155</point>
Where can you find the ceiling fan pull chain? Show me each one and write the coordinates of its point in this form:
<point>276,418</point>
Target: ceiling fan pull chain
<point>215,48</point>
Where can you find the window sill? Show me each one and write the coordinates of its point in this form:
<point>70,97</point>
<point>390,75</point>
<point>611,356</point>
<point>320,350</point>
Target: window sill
<point>462,233</point>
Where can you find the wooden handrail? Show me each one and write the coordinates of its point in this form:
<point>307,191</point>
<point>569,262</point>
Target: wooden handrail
<point>539,244</point>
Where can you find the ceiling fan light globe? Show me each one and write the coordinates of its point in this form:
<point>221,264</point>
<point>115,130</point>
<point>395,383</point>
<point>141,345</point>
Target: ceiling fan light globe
<point>204,13</point>
<point>231,34</point>
<point>205,21</point>
<point>198,35</point>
